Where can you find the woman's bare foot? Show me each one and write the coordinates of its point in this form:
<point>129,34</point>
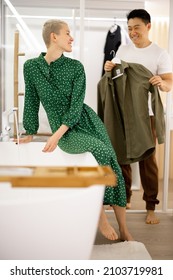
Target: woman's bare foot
<point>125,235</point>
<point>151,218</point>
<point>105,228</point>
<point>128,205</point>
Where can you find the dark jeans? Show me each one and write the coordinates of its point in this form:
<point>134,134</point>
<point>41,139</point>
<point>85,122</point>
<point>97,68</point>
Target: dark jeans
<point>149,178</point>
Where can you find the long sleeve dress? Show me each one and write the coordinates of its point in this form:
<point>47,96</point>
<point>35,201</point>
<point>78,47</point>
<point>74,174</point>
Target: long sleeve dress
<point>60,87</point>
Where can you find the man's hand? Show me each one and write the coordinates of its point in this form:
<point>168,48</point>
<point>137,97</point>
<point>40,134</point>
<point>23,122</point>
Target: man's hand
<point>109,65</point>
<point>156,81</point>
<point>163,81</point>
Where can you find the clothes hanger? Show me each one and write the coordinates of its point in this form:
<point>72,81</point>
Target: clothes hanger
<point>116,60</point>
<point>118,75</point>
<point>113,53</point>
<point>114,26</point>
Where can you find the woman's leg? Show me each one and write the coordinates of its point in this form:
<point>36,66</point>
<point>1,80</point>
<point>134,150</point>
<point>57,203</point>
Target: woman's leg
<point>105,228</point>
<point>120,213</point>
<point>108,231</point>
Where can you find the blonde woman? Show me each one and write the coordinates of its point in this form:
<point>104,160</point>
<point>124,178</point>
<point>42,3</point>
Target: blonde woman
<point>58,82</point>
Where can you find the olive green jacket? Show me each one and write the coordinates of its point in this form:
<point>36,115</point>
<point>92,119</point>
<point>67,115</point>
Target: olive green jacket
<point>123,107</point>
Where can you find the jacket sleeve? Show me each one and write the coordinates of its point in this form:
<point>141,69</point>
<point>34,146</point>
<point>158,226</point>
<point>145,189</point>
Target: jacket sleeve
<point>157,107</point>
<point>100,102</point>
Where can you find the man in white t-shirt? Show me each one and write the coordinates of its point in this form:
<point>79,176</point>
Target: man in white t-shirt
<point>158,61</point>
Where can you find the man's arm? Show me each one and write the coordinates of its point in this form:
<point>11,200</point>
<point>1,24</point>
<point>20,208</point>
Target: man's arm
<point>163,81</point>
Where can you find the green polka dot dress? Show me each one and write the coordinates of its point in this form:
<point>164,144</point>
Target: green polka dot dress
<point>60,87</point>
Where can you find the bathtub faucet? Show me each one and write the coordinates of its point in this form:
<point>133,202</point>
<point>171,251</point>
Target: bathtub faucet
<point>5,135</point>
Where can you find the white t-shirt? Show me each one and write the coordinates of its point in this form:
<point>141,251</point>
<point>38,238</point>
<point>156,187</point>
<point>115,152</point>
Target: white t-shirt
<point>154,58</point>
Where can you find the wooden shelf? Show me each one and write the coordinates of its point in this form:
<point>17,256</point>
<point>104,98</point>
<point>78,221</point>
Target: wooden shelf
<point>77,176</point>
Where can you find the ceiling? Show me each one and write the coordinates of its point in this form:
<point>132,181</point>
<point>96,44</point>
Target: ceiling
<point>155,7</point>
<point>91,4</point>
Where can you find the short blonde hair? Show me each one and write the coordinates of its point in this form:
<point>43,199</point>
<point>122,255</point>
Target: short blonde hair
<point>50,26</point>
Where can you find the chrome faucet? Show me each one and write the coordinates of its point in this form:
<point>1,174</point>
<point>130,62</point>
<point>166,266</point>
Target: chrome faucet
<point>5,135</point>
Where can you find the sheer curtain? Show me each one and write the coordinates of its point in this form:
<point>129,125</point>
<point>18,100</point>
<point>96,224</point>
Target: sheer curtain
<point>159,34</point>
<point>160,31</point>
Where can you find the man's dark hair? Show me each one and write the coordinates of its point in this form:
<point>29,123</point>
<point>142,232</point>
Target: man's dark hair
<point>139,13</point>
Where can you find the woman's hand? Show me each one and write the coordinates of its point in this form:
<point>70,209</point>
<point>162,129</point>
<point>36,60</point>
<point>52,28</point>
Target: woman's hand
<point>51,144</point>
<point>25,139</point>
<point>109,65</point>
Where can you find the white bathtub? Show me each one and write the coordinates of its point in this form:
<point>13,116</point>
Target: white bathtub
<point>47,223</point>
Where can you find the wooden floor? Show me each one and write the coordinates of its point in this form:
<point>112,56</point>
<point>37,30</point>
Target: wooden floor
<point>139,204</point>
<point>158,239</point>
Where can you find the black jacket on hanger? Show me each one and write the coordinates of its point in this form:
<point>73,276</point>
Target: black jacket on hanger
<point>113,41</point>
